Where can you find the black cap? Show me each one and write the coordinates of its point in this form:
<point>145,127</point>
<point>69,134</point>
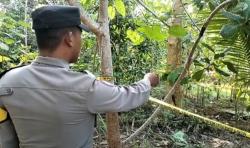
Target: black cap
<point>51,17</point>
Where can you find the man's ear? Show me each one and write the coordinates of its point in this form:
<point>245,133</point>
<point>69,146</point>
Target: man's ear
<point>68,39</point>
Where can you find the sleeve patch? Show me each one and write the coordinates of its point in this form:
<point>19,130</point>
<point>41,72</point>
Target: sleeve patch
<point>6,91</point>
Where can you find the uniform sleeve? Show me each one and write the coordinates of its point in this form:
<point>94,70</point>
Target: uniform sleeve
<point>107,97</point>
<point>1,102</point>
<point>4,92</point>
<point>90,74</point>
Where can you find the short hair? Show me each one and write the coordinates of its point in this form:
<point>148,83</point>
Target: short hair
<point>49,39</point>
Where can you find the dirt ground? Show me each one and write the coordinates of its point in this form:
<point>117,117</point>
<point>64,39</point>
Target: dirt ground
<point>171,130</point>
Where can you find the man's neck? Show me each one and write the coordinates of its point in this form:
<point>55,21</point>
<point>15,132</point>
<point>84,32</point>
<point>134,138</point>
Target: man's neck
<point>54,54</point>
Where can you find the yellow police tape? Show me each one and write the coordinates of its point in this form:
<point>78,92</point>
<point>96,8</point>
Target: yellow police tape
<point>204,119</point>
<point>105,78</point>
<point>3,115</point>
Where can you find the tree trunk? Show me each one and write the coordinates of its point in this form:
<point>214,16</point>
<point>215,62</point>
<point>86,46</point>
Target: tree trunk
<point>113,134</point>
<point>174,50</point>
<point>101,31</point>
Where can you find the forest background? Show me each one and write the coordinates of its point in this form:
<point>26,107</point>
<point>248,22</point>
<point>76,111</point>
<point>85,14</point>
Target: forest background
<point>148,35</point>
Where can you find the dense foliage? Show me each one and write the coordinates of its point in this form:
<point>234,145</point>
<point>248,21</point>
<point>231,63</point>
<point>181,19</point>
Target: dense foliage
<point>139,45</point>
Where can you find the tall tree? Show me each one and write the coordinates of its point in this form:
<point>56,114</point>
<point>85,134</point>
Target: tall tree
<point>174,49</point>
<point>113,134</point>
<point>101,30</point>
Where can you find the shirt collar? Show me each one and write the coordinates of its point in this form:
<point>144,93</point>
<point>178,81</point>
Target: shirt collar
<point>53,62</point>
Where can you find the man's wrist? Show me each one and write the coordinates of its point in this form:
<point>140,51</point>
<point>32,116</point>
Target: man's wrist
<point>147,81</point>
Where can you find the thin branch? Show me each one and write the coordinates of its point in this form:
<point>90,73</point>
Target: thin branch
<point>25,20</point>
<point>194,24</point>
<point>186,68</point>
<point>92,25</point>
<point>144,6</point>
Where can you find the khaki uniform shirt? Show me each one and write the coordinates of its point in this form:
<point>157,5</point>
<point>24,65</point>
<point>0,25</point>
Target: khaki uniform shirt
<point>53,107</point>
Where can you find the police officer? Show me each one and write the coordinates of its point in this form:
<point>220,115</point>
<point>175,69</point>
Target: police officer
<point>52,106</point>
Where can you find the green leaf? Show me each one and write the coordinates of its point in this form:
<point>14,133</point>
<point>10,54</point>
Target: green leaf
<point>197,63</point>
<point>221,72</point>
<point>135,37</point>
<point>227,50</point>
<point>4,58</point>
<point>4,46</point>
<point>233,17</point>
<point>8,41</point>
<point>164,76</point>
<point>172,77</point>
<point>180,137</point>
<point>229,30</point>
<point>219,55</point>
<point>174,74</point>
<point>198,75</point>
<point>82,2</point>
<point>230,66</point>
<point>111,12</point>
<point>207,60</point>
<point>179,69</point>
<point>199,3</point>
<point>120,7</point>
<point>211,6</point>
<point>85,2</point>
<point>239,93</point>
<point>19,34</point>
<point>24,24</point>
<point>27,57</point>
<point>88,2</point>
<point>177,31</point>
<point>248,108</point>
<point>153,32</point>
<point>208,47</point>
<point>240,7</point>
<point>246,9</point>
<point>242,99</point>
<point>185,80</point>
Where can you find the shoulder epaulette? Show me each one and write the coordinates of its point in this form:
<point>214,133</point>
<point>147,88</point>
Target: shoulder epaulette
<point>5,71</point>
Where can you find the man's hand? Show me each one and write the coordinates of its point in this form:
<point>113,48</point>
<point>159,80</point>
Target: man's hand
<point>153,78</point>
